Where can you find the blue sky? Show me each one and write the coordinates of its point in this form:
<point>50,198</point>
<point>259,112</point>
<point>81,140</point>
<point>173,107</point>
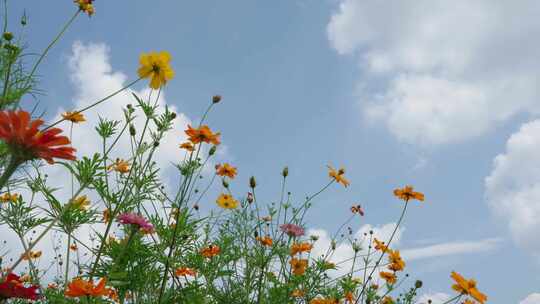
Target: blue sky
<point>401,94</point>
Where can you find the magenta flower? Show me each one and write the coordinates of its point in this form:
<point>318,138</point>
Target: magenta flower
<point>292,229</point>
<point>136,220</point>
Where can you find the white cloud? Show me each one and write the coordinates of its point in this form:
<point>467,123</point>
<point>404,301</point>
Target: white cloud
<point>451,248</point>
<point>436,298</point>
<point>533,298</point>
<point>441,72</point>
<point>513,187</point>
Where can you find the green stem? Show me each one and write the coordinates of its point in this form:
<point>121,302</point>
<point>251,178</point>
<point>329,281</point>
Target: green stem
<point>14,163</point>
<point>67,259</point>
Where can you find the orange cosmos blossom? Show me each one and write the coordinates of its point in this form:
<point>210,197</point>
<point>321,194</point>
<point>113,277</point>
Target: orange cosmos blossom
<point>380,245</point>
<point>298,266</point>
<point>300,248</point>
<point>407,193</point>
<point>81,288</point>
<point>297,293</point>
<point>467,287</point>
<point>120,166</point>
<point>74,117</point>
<point>86,6</point>
<point>389,277</point>
<point>9,197</point>
<point>185,271</point>
<point>265,241</point>
<point>210,251</point>
<point>187,146</point>
<point>226,170</point>
<point>202,134</point>
<point>27,142</point>
<point>396,262</point>
<point>338,175</point>
<point>324,301</point>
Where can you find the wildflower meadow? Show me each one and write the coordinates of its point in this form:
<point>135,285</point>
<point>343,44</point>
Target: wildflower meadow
<point>117,232</point>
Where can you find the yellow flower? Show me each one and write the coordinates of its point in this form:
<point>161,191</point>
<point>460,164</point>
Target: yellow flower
<point>297,293</point>
<point>338,175</point>
<point>396,262</point>
<point>298,266</point>
<point>226,170</point>
<point>380,245</point>
<point>74,117</point>
<point>408,193</point>
<point>389,277</point>
<point>156,67</point>
<point>81,202</point>
<point>9,197</point>
<point>226,201</point>
<point>32,255</point>
<point>187,146</point>
<point>86,6</point>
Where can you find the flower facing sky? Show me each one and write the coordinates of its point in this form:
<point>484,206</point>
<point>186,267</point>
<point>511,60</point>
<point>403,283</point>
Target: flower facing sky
<point>136,220</point>
<point>338,175</point>
<point>226,170</point>
<point>13,287</point>
<point>407,193</point>
<point>226,201</point>
<point>156,66</point>
<point>82,288</point>
<point>86,6</point>
<point>292,230</point>
<point>202,134</point>
<point>467,287</point>
<point>27,142</point>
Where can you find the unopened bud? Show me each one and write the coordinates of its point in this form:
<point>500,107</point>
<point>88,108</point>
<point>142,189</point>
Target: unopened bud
<point>132,130</point>
<point>7,36</point>
<point>212,150</point>
<point>250,197</point>
<point>252,182</point>
<point>418,284</point>
<point>225,184</point>
<point>173,115</point>
<point>285,172</point>
<point>216,98</point>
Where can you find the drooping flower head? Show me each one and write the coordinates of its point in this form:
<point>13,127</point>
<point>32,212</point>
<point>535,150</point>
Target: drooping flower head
<point>82,288</point>
<point>74,117</point>
<point>292,230</point>
<point>156,66</point>
<point>86,6</point>
<point>407,193</point>
<point>13,287</point>
<point>26,142</point>
<point>226,201</point>
<point>202,134</point>
<point>338,175</point>
<point>136,220</point>
<point>226,170</point>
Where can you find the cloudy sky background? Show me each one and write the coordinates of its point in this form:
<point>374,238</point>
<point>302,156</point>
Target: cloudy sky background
<point>443,95</point>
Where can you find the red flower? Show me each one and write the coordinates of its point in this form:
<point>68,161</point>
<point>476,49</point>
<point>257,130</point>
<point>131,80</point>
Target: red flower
<point>13,287</point>
<point>27,142</point>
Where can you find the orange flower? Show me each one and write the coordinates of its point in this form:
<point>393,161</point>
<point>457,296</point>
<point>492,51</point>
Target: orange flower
<point>389,277</point>
<point>187,146</point>
<point>380,245</point>
<point>210,251</point>
<point>74,117</point>
<point>387,300</point>
<point>119,165</point>
<point>298,266</point>
<point>408,193</point>
<point>467,287</point>
<point>185,271</point>
<point>300,248</point>
<point>324,301</point>
<point>85,6</point>
<point>349,297</point>
<point>338,176</point>
<point>26,142</point>
<point>106,215</point>
<point>32,255</point>
<point>265,241</point>
<point>202,134</point>
<point>396,262</point>
<point>8,197</point>
<point>226,170</point>
<point>73,247</point>
<point>81,288</point>
<point>297,293</point>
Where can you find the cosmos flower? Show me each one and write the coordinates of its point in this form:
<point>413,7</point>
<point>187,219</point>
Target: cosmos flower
<point>265,241</point>
<point>13,287</point>
<point>292,230</point>
<point>389,277</point>
<point>86,6</point>
<point>136,220</point>
<point>338,175</point>
<point>300,248</point>
<point>298,266</point>
<point>185,271</point>
<point>82,288</point>
<point>27,142</point>
<point>202,134</point>
<point>407,193</point>
<point>210,251</point>
<point>156,66</point>
<point>226,201</point>
<point>9,197</point>
<point>226,170</point>
<point>187,146</point>
<point>467,287</point>
<point>74,117</point>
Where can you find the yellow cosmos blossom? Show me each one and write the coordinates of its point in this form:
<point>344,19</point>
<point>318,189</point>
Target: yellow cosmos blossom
<point>300,248</point>
<point>81,202</point>
<point>120,166</point>
<point>9,197</point>
<point>187,146</point>
<point>156,66</point>
<point>337,175</point>
<point>226,201</point>
<point>380,245</point>
<point>407,193</point>
<point>396,262</point>
<point>86,6</point>
<point>32,255</point>
<point>74,117</point>
<point>467,287</point>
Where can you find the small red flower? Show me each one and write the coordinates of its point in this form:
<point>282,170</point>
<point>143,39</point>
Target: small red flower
<point>13,287</point>
<point>27,142</point>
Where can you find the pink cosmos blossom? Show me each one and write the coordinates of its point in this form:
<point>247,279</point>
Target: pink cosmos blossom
<point>292,229</point>
<point>137,220</point>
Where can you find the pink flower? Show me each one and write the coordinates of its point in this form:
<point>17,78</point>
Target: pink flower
<point>137,220</point>
<point>292,229</point>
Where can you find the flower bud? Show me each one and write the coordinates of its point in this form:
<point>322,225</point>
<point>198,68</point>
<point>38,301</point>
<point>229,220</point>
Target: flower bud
<point>212,151</point>
<point>418,284</point>
<point>216,98</point>
<point>225,184</point>
<point>252,182</point>
<point>285,172</point>
<point>132,130</point>
<point>250,197</point>
<point>7,36</point>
